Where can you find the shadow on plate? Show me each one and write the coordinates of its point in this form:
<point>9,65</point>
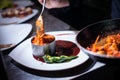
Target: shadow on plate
<point>59,73</point>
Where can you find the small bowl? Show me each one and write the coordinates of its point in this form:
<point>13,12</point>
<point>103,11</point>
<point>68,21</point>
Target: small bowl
<point>41,50</point>
<point>88,35</point>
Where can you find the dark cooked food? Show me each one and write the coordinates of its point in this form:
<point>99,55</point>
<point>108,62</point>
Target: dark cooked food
<point>28,10</point>
<point>109,45</point>
<point>67,48</point>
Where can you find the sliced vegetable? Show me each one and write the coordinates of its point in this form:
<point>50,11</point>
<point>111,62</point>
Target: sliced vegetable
<point>58,59</point>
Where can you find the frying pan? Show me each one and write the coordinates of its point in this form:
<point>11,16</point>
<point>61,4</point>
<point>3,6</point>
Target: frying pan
<point>88,35</point>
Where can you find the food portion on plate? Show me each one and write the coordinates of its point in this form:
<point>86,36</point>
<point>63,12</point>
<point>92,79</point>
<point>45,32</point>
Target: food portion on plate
<point>22,17</point>
<point>65,52</point>
<point>42,42</point>
<point>17,12</point>
<point>44,46</point>
<point>20,12</point>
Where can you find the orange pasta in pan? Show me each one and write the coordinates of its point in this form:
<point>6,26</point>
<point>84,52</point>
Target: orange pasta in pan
<point>110,45</point>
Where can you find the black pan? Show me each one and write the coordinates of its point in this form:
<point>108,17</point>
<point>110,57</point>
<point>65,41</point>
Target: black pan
<point>88,35</point>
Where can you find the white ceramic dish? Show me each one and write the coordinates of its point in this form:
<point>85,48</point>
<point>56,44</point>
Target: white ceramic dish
<point>23,3</point>
<point>23,54</point>
<point>14,34</point>
<point>15,20</point>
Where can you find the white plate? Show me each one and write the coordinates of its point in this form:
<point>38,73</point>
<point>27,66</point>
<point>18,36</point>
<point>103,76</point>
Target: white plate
<point>14,33</point>
<point>17,20</point>
<point>23,54</point>
<point>23,3</point>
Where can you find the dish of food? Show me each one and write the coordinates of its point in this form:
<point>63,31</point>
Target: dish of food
<point>15,4</point>
<point>25,57</point>
<point>20,19</point>
<point>100,41</point>
<point>11,35</point>
<point>44,46</point>
<point>42,43</point>
<point>17,12</point>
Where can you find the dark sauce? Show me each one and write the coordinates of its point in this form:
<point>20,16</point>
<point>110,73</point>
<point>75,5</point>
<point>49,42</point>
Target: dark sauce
<point>63,47</point>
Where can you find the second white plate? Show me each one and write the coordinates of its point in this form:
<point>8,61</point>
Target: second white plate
<point>14,34</point>
<point>17,20</point>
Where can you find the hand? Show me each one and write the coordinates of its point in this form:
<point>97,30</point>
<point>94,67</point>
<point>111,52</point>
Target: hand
<point>55,3</point>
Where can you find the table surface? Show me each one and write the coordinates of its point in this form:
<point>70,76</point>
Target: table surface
<point>51,24</point>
